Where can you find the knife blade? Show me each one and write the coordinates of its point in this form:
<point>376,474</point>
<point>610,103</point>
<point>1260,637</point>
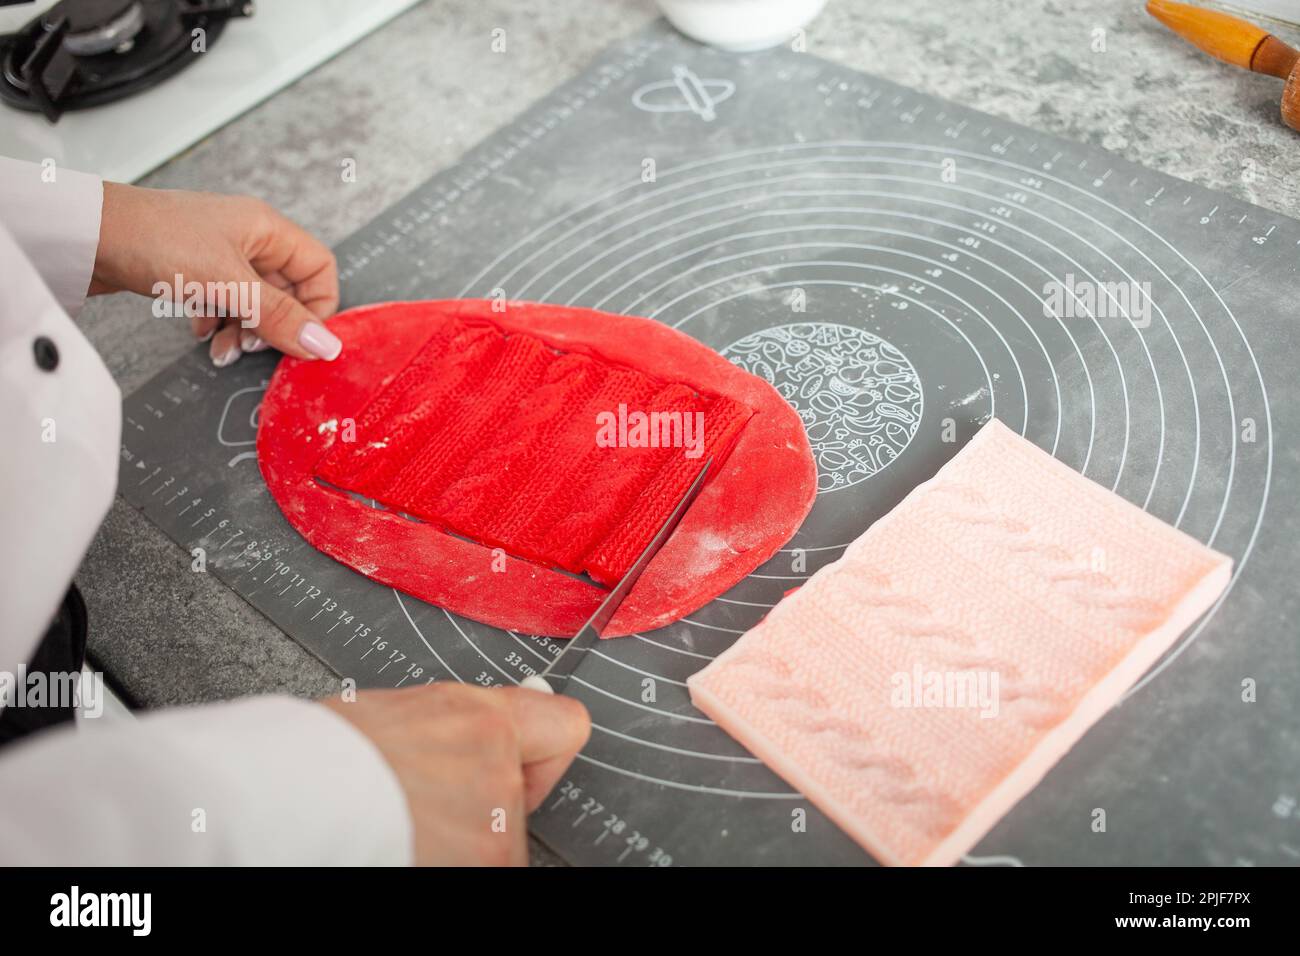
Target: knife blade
<point>555,678</point>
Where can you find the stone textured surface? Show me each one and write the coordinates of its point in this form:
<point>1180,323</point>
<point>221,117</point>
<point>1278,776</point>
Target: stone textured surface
<point>409,99</point>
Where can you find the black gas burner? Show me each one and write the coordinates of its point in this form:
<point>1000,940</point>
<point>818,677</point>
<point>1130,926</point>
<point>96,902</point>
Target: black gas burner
<point>82,53</point>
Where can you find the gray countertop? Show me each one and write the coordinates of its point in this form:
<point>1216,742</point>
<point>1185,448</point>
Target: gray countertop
<point>409,99</point>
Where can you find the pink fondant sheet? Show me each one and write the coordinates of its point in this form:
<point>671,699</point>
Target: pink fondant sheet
<point>918,687</point>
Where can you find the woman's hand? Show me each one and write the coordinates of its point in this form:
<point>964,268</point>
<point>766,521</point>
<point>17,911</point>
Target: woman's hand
<point>472,762</point>
<point>286,280</point>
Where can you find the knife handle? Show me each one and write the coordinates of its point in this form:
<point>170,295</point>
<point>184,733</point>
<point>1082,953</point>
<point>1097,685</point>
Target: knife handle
<point>537,683</point>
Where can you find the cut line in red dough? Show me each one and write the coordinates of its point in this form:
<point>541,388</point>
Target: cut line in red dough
<point>475,433</point>
<point>919,686</point>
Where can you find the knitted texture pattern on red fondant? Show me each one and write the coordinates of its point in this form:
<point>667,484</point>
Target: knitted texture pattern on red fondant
<point>493,436</point>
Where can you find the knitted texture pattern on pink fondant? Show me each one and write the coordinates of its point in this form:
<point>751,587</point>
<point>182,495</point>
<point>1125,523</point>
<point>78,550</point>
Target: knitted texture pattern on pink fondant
<point>919,686</point>
<point>493,436</point>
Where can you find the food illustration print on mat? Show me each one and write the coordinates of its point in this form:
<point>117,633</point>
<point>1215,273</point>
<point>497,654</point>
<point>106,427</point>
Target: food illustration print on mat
<point>919,686</point>
<point>486,461</point>
<point>858,395</point>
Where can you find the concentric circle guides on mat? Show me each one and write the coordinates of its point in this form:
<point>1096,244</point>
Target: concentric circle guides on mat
<point>1004,289</point>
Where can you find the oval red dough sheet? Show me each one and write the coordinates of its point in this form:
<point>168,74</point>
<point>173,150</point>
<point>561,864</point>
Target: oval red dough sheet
<point>493,519</point>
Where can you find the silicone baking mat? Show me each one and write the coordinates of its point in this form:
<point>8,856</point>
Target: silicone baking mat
<point>902,269</point>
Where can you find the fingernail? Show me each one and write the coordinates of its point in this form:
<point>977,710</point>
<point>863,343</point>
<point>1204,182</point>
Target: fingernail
<point>320,341</point>
<point>208,334</point>
<point>226,357</point>
<point>249,342</point>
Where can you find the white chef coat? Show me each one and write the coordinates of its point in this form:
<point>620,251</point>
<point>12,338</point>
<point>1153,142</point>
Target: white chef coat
<point>262,780</point>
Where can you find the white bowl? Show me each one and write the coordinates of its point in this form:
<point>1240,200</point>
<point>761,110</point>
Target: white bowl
<point>741,25</point>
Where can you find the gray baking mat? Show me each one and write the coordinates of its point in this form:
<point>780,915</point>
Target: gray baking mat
<point>722,194</point>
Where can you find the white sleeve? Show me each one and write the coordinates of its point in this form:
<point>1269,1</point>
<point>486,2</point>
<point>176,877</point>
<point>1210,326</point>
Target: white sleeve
<point>263,781</point>
<point>59,434</point>
<point>277,780</point>
<point>53,214</point>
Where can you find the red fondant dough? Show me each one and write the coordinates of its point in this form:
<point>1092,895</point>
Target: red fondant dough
<point>476,431</point>
<point>493,436</point>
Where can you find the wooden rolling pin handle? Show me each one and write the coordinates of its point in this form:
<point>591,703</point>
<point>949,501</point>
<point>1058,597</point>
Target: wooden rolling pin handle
<point>1235,41</point>
<point>1291,99</point>
<point>1275,58</point>
<point>1224,37</point>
